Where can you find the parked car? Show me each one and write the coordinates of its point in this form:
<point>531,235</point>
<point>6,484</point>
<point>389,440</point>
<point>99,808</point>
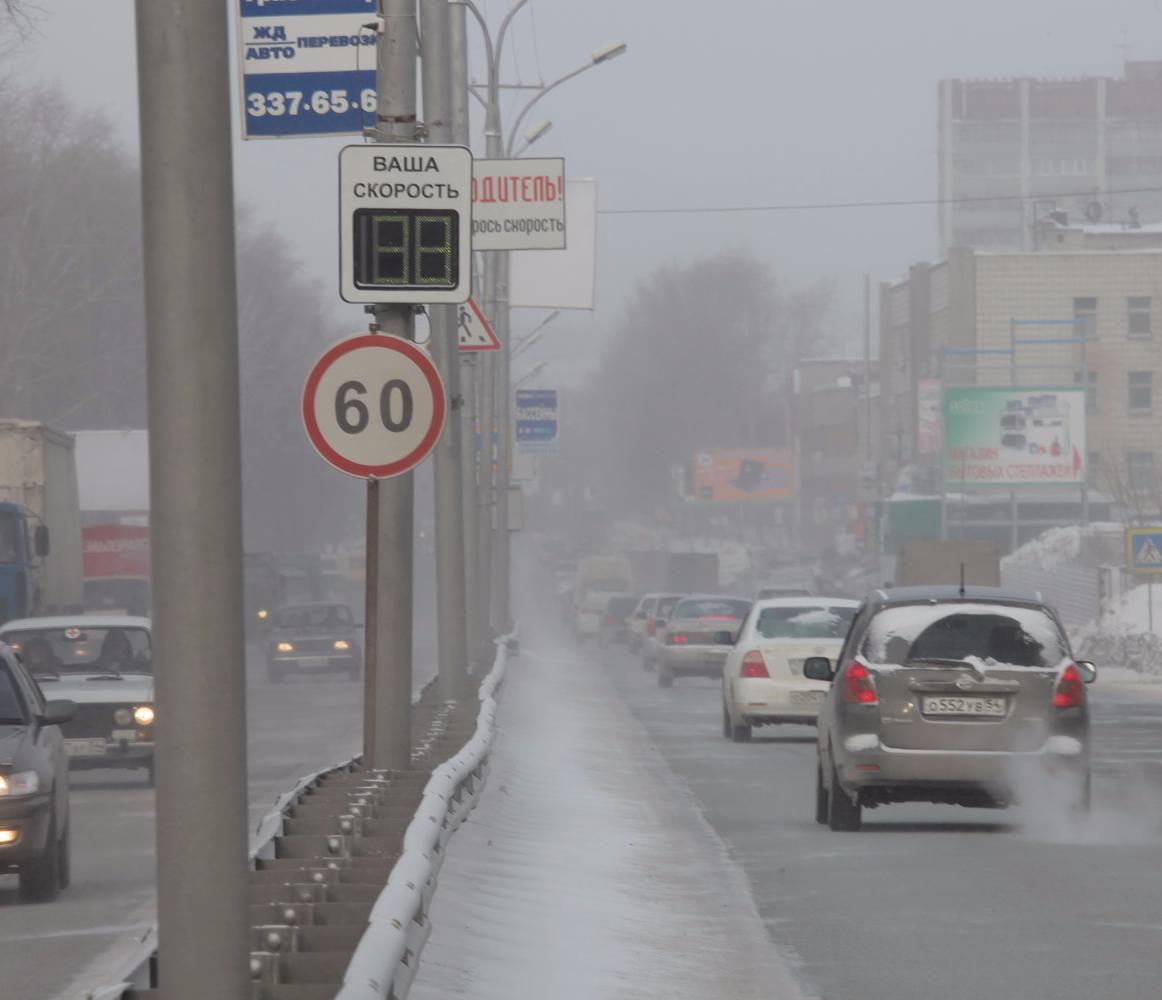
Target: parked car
<point>34,783</point>
<point>762,681</point>
<point>696,639</point>
<point>319,637</point>
<point>615,621</point>
<point>950,694</point>
<point>104,664</point>
<point>649,643</point>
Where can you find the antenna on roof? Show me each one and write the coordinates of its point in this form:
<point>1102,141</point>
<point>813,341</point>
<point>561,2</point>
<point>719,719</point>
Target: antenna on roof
<point>962,579</point>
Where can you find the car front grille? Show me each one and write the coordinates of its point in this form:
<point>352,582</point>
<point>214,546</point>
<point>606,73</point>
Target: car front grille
<point>93,720</point>
<point>312,647</point>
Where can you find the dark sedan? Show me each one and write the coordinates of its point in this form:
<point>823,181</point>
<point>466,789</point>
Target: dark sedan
<point>314,638</point>
<point>34,784</point>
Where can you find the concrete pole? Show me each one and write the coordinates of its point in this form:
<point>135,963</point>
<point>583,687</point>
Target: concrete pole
<point>461,133</point>
<point>183,59</point>
<point>390,743</point>
<point>451,610</point>
<point>502,538</point>
<point>485,502</point>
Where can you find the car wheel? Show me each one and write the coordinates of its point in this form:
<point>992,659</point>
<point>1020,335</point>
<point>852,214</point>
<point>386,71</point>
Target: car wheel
<point>842,813</point>
<point>40,879</point>
<point>64,862</point>
<point>665,677</point>
<point>1083,798</point>
<point>740,734</point>
<point>821,796</point>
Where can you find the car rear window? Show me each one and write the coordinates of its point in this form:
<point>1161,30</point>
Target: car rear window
<point>805,622</point>
<point>666,605</point>
<point>716,607</point>
<point>985,633</point>
<point>622,607</point>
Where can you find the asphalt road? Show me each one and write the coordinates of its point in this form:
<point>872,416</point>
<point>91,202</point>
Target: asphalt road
<point>61,948</point>
<point>933,902</point>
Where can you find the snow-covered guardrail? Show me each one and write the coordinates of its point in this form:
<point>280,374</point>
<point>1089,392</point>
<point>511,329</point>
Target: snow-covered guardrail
<point>388,955</point>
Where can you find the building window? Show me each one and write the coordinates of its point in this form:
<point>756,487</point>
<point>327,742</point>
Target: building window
<point>1141,395</point>
<point>1140,467</point>
<point>1090,391</point>
<point>1085,317</point>
<point>1138,316</point>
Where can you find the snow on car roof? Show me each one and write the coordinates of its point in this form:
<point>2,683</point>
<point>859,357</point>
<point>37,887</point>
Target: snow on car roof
<point>810,603</point>
<point>75,621</point>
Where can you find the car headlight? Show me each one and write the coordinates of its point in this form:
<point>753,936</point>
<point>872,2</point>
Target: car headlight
<point>285,647</point>
<point>144,715</point>
<point>123,717</point>
<point>263,614</point>
<point>20,783</point>
<point>342,644</point>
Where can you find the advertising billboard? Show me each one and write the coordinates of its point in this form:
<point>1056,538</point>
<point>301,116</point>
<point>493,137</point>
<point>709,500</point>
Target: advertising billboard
<point>929,426</point>
<point>1014,436</point>
<point>739,475</point>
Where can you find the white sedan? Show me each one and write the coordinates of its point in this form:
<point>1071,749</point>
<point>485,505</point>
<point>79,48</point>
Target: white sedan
<point>762,680</point>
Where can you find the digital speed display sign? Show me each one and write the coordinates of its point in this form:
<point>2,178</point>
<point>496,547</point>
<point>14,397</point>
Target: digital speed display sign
<point>405,224</point>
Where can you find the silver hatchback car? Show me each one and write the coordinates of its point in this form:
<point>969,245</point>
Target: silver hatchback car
<point>953,695</point>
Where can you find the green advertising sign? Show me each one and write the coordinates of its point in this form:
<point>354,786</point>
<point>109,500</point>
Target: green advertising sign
<point>1014,436</point>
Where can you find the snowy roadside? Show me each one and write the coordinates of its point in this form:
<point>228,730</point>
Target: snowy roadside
<point>586,871</point>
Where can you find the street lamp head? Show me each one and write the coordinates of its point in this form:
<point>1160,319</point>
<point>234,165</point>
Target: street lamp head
<point>537,132</point>
<point>607,52</point>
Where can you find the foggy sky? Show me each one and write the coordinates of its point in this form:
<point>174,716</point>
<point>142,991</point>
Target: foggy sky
<point>731,103</point>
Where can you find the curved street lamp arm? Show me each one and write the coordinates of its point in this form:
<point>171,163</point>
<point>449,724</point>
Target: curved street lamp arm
<point>541,93</point>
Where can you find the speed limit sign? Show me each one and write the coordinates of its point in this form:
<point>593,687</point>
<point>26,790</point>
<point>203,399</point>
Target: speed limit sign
<point>374,406</point>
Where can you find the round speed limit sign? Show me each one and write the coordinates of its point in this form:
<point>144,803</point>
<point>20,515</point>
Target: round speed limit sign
<point>374,406</point>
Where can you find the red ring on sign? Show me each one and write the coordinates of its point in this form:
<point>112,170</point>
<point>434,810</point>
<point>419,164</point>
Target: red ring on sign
<point>421,450</point>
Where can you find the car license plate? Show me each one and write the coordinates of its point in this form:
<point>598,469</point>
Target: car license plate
<point>314,663</point>
<point>807,697</point>
<point>84,748</point>
<point>129,735</point>
<point>961,705</point>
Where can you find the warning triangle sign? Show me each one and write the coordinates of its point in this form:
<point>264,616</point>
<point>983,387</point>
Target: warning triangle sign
<point>476,333</point>
<point>1148,554</point>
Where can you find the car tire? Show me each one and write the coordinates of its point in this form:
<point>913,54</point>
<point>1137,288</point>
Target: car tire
<point>822,806</point>
<point>842,813</point>
<point>64,862</point>
<point>1083,800</point>
<point>665,677</point>
<point>40,879</point>
<point>740,734</point>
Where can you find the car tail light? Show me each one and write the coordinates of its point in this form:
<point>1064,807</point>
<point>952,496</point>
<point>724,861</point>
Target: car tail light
<point>678,639</point>
<point>753,665</point>
<point>1070,689</point>
<point>858,685</point>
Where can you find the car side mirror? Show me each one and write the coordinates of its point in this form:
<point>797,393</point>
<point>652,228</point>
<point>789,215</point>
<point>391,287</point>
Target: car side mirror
<point>1088,671</point>
<point>724,638</point>
<point>58,712</point>
<point>818,668</point>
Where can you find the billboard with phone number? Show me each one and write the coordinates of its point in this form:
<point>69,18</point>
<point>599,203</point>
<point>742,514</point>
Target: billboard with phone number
<point>1014,436</point>
<point>740,475</point>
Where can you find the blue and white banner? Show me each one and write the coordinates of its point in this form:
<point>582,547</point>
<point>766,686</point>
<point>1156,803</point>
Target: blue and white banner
<point>307,67</point>
<point>536,419</point>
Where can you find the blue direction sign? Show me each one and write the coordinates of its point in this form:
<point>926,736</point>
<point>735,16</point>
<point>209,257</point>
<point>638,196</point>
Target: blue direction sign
<point>536,419</point>
<point>1144,550</point>
<point>307,67</point>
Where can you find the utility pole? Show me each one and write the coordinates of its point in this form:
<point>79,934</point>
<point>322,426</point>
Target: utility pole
<point>451,601</point>
<point>500,559</point>
<point>191,308</point>
<point>389,678</point>
<point>486,473</point>
<point>461,134</point>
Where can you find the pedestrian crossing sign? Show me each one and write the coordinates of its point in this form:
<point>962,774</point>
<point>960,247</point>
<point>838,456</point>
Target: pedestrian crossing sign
<point>1144,550</point>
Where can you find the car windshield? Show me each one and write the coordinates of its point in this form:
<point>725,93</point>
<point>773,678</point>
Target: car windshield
<point>314,616</point>
<point>83,649</point>
<point>804,622</point>
<point>621,607</point>
<point>12,709</point>
<point>984,633</point>
<point>713,607</point>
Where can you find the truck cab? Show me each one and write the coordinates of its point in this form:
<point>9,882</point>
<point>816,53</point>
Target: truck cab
<point>21,545</point>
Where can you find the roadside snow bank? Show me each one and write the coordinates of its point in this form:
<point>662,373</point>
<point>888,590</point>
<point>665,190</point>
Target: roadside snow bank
<point>1091,545</point>
<point>1122,636</point>
<point>586,872</point>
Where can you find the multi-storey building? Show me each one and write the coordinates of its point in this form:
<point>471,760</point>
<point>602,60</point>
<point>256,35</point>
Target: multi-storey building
<point>1012,151</point>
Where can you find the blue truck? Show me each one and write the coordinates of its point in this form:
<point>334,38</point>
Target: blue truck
<point>40,521</point>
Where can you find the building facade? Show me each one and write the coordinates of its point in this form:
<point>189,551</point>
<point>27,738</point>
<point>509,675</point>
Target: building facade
<point>1012,151</point>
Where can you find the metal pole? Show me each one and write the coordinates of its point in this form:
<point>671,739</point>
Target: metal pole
<point>485,505</point>
<point>183,51</point>
<point>461,133</point>
<point>867,362</point>
<point>500,567</point>
<point>449,493</point>
<point>371,619</point>
<point>391,741</point>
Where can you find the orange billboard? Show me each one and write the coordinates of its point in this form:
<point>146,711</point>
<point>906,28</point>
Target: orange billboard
<point>739,475</point>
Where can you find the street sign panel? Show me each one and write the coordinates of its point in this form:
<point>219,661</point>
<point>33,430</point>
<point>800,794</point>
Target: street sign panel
<point>405,224</point>
<point>307,67</point>
<point>1144,550</point>
<point>536,419</point>
<point>374,406</point>
<point>476,333</point>
<point>518,204</point>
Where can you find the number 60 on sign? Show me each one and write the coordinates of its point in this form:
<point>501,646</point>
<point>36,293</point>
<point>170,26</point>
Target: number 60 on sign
<point>374,406</point>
